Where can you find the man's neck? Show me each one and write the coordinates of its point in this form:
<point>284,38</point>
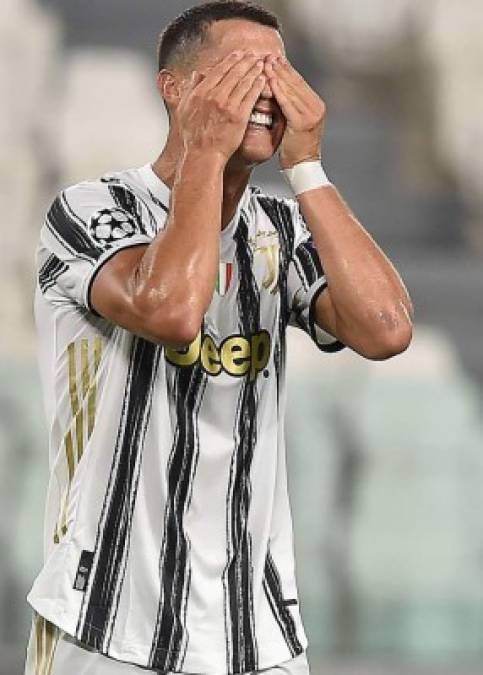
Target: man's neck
<point>235,182</point>
<point>235,179</point>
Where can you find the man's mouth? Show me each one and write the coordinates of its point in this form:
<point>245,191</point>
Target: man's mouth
<point>262,120</point>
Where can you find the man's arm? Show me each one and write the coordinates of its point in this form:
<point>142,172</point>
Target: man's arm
<point>366,305</point>
<point>162,291</point>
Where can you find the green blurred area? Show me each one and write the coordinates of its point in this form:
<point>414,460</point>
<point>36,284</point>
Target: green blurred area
<point>386,469</point>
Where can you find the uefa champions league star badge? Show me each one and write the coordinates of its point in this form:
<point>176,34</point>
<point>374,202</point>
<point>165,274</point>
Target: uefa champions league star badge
<point>111,225</point>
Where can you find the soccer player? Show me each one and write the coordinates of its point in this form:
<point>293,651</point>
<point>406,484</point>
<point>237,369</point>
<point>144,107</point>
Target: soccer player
<point>164,296</point>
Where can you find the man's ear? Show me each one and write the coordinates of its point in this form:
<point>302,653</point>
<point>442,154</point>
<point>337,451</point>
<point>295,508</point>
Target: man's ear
<point>168,87</point>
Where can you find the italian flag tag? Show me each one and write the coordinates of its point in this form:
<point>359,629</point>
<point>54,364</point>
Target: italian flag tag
<point>225,275</point>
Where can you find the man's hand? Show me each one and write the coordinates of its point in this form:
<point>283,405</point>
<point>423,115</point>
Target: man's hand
<point>303,109</point>
<point>162,291</point>
<point>214,109</point>
<point>366,305</point>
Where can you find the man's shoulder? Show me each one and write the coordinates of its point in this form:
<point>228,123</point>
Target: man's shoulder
<point>127,179</point>
<point>117,191</point>
<point>106,208</point>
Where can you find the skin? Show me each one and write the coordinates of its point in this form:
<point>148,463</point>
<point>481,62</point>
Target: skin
<point>163,290</point>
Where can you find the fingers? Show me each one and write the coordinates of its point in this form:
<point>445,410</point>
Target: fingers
<point>243,87</point>
<point>293,93</point>
<point>218,72</point>
<point>252,96</point>
<point>194,80</point>
<point>290,104</point>
<point>287,73</point>
<point>249,67</point>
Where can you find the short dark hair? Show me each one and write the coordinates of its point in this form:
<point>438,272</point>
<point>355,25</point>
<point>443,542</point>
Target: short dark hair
<point>190,28</point>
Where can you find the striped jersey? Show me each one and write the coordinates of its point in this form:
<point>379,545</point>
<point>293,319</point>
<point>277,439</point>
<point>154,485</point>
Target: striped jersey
<point>168,534</point>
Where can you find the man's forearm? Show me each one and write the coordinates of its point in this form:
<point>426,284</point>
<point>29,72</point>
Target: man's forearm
<point>367,305</point>
<point>177,273</point>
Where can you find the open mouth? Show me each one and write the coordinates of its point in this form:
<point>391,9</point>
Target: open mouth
<point>261,120</point>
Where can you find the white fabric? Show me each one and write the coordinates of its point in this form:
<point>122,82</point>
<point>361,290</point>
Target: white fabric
<point>168,537</point>
<point>306,176</point>
<point>68,657</point>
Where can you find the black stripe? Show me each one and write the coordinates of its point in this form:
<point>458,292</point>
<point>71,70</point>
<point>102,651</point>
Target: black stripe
<point>307,258</point>
<point>126,200</point>
<point>280,215</point>
<point>332,347</point>
<point>69,230</point>
<point>242,652</point>
<point>96,619</point>
<point>158,202</point>
<point>281,218</point>
<point>170,636</point>
<point>304,257</point>
<point>50,271</point>
<point>274,608</point>
<point>273,590</point>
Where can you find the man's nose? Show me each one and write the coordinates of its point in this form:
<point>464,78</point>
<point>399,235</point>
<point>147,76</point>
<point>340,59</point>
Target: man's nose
<point>267,91</point>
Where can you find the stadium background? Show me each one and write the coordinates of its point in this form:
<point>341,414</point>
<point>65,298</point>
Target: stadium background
<point>386,460</point>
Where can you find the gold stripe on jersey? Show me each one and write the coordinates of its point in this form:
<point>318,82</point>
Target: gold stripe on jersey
<point>69,452</point>
<point>46,639</point>
<point>92,390</point>
<point>83,409</point>
<point>38,644</point>
<point>77,411</point>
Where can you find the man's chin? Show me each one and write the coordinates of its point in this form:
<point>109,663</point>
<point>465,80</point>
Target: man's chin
<point>252,154</point>
<point>252,158</point>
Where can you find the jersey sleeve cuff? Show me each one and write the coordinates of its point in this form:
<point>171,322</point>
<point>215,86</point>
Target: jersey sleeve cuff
<point>139,240</point>
<point>324,340</point>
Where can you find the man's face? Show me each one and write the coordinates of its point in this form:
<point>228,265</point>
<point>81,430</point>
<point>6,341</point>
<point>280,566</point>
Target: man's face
<point>260,142</point>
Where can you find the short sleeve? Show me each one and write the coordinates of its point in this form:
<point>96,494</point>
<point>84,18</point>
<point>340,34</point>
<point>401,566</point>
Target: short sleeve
<point>306,281</point>
<point>85,227</point>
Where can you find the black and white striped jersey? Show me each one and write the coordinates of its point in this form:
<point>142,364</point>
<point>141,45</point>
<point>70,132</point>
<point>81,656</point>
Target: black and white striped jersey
<point>168,536</point>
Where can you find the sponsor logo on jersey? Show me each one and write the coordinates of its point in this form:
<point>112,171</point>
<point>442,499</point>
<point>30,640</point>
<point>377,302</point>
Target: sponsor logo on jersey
<point>237,355</point>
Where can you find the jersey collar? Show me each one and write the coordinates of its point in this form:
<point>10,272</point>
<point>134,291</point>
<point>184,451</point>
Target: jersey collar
<point>154,184</point>
<point>162,192</point>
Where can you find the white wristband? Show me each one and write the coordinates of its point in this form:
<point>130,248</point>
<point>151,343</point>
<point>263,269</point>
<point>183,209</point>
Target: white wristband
<point>306,176</point>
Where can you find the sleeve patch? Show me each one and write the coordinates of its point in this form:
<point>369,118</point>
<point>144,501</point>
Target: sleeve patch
<point>109,226</point>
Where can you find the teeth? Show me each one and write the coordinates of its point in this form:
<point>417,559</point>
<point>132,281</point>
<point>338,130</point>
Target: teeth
<point>262,119</point>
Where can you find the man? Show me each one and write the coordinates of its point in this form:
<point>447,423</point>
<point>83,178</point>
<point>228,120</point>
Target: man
<point>163,301</point>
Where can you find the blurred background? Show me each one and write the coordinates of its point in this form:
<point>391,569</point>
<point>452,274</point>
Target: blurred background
<point>386,460</point>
